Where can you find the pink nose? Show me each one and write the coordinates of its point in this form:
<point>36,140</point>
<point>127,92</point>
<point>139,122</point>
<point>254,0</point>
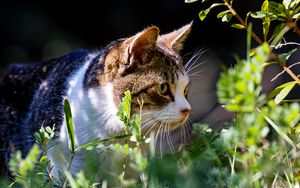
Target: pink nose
<point>185,112</point>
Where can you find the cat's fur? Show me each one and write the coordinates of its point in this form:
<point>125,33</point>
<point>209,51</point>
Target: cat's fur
<point>94,82</point>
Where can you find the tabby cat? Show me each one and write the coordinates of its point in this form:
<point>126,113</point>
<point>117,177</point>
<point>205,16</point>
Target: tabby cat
<point>147,64</point>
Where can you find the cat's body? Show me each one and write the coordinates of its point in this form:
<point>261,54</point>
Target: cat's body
<point>146,64</point>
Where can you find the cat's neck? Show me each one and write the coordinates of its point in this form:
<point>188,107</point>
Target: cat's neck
<point>93,108</point>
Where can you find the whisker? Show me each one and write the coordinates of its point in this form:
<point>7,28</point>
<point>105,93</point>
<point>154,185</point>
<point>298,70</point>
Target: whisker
<point>151,128</point>
<point>146,122</point>
<point>188,69</point>
<point>196,73</point>
<point>194,59</point>
<point>161,142</point>
<point>156,136</point>
<point>188,129</point>
<point>196,54</point>
<point>146,113</point>
<point>196,66</point>
<point>182,134</point>
<point>170,143</point>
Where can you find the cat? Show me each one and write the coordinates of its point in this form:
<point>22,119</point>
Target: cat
<point>147,64</point>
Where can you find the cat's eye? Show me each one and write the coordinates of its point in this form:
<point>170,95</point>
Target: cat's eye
<point>186,91</point>
<point>163,88</point>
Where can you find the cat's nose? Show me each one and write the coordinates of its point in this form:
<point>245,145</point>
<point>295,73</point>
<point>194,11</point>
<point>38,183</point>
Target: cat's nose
<point>185,112</point>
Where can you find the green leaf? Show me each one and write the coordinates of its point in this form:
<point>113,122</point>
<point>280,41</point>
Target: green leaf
<point>227,17</point>
<point>290,4</point>
<point>284,92</point>
<point>70,125</point>
<point>216,5</point>
<point>286,3</point>
<point>97,142</point>
<point>296,16</point>
<point>238,26</point>
<point>27,165</point>
<point>276,32</point>
<point>265,6</point>
<point>124,109</point>
<point>262,15</point>
<point>202,14</point>
<point>283,57</point>
<point>221,14</point>
<point>294,4</point>
<point>266,26</point>
<point>277,90</point>
<point>191,1</point>
<point>258,14</point>
<point>291,100</point>
<point>279,131</point>
<point>277,9</point>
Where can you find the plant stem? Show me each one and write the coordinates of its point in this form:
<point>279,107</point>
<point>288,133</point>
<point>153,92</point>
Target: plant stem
<point>69,168</point>
<point>293,25</point>
<point>259,41</point>
<point>235,14</point>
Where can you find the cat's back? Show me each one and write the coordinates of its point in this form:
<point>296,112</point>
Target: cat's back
<point>27,88</point>
<point>21,81</point>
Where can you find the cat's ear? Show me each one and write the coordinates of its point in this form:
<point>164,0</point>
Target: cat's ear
<point>175,39</point>
<point>142,43</point>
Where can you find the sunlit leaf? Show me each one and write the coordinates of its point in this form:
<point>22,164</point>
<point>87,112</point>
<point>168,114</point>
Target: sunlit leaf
<point>284,92</point>
<point>261,15</point>
<point>191,1</point>
<point>221,14</point>
<point>124,109</point>
<point>296,16</point>
<point>265,6</point>
<point>277,90</point>
<point>100,141</point>
<point>227,17</point>
<point>277,9</point>
<point>70,125</point>
<point>286,3</point>
<point>277,30</point>
<point>202,14</point>
<point>294,3</point>
<point>266,27</point>
<point>238,26</point>
<point>279,131</point>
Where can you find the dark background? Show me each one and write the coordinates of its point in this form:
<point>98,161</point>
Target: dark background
<point>35,31</point>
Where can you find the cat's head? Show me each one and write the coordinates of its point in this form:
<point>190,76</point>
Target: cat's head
<point>149,65</point>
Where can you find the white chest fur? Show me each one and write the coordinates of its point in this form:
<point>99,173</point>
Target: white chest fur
<point>93,110</point>
<point>94,117</point>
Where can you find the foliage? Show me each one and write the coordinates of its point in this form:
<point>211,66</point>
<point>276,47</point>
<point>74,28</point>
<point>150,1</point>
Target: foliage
<point>259,148</point>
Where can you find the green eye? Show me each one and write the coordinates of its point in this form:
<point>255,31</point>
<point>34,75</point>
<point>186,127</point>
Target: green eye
<point>163,88</point>
<point>186,90</point>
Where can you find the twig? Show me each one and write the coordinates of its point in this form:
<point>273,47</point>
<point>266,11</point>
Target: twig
<point>295,27</point>
<point>298,63</point>
<point>280,45</point>
<point>234,13</point>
